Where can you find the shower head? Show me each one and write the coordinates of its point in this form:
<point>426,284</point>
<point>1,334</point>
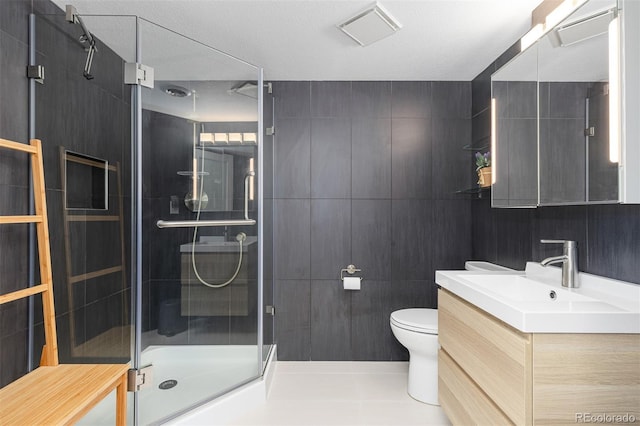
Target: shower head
<point>73,17</point>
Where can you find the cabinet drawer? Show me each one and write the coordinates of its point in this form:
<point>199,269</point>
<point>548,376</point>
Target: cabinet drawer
<point>585,373</point>
<point>463,402</point>
<point>494,355</point>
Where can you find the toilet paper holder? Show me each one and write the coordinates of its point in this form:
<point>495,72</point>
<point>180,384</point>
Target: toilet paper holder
<point>350,269</point>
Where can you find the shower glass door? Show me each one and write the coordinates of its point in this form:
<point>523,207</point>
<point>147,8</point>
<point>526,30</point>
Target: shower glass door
<point>186,300</point>
<point>199,173</point>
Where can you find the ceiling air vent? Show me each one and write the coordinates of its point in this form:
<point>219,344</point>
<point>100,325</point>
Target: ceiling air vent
<point>583,29</point>
<point>370,26</point>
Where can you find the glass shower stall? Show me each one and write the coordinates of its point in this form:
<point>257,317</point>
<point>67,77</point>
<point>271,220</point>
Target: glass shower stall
<point>159,177</point>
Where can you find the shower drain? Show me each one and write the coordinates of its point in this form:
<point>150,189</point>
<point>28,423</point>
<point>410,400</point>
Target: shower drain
<point>168,384</point>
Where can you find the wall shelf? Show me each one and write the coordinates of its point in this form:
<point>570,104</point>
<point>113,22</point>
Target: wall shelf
<point>479,145</point>
<point>476,192</point>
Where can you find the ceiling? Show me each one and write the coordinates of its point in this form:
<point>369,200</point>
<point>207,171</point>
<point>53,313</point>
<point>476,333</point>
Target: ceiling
<point>298,39</point>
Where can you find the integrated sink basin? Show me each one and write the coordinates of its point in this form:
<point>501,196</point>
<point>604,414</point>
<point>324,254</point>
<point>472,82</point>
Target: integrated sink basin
<point>522,289</point>
<point>533,301</point>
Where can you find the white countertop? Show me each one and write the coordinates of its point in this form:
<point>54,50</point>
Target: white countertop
<point>523,299</point>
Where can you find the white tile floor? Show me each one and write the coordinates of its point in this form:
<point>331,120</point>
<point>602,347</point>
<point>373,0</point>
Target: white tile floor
<point>341,393</point>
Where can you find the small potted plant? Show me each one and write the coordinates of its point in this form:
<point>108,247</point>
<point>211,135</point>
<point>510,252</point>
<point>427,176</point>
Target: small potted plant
<point>483,167</point>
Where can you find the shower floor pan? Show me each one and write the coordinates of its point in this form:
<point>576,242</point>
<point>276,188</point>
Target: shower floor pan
<point>183,377</point>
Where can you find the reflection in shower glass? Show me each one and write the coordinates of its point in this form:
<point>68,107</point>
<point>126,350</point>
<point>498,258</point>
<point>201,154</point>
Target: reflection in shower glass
<point>218,183</point>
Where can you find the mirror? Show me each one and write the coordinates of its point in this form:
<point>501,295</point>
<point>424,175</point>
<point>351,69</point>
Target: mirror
<point>552,116</point>
<point>229,151</point>
<point>573,78</point>
<point>514,90</point>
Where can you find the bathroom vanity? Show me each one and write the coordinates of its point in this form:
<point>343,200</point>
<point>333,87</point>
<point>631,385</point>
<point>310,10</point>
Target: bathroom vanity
<point>216,260</point>
<point>523,357</point>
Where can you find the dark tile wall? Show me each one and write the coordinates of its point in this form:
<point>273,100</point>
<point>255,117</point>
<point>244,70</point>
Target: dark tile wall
<point>562,142</point>
<point>365,173</point>
<point>607,235</point>
<point>13,187</point>
<point>89,117</point>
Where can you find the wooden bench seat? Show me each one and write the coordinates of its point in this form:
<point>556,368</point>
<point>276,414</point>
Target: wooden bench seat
<point>62,394</point>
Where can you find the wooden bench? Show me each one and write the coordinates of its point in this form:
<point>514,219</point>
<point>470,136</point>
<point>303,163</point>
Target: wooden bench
<point>62,394</point>
<point>53,394</point>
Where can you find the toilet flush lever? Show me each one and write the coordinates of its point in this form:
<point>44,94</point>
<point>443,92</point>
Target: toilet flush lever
<point>351,269</point>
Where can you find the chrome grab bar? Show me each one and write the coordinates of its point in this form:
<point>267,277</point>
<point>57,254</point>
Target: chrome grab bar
<point>201,223</point>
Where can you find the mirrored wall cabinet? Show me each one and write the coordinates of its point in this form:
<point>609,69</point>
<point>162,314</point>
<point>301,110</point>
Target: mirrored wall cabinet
<point>566,111</point>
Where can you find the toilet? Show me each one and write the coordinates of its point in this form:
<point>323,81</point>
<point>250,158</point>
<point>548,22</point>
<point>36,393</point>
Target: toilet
<point>417,330</point>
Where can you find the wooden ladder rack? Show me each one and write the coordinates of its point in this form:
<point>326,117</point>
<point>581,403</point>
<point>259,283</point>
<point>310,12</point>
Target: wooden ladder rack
<point>53,393</point>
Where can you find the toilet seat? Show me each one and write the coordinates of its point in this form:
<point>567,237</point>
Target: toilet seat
<point>420,320</point>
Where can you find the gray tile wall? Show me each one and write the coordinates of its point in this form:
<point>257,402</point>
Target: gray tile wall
<point>87,117</point>
<point>607,235</point>
<point>365,173</point>
<point>13,187</point>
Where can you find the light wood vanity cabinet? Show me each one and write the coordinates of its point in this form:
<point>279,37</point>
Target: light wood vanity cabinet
<point>491,373</point>
<point>463,401</point>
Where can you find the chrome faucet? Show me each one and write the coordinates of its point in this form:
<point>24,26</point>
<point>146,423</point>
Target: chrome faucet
<point>569,261</point>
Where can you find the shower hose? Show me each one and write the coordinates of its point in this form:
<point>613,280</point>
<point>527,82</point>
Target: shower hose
<point>240,238</point>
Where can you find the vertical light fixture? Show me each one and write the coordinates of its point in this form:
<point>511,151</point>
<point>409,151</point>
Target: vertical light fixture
<point>194,190</point>
<point>531,37</point>
<point>494,152</point>
<point>251,179</point>
<point>614,90</point>
<point>195,158</point>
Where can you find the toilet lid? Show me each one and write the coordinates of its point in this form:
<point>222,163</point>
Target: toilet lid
<point>419,319</point>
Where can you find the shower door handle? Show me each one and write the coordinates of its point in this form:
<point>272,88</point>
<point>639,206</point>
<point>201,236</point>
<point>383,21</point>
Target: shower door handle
<point>201,223</point>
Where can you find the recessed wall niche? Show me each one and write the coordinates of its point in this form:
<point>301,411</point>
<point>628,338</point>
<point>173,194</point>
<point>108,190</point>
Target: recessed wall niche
<point>85,182</point>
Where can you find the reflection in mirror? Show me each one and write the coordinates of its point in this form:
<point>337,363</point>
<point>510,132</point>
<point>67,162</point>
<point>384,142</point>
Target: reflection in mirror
<point>574,114</point>
<point>228,159</point>
<point>515,94</point>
